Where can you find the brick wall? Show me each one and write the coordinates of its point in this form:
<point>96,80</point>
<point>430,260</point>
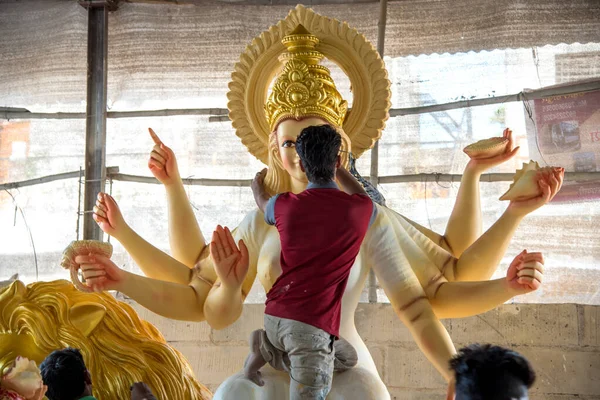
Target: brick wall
<point>562,341</point>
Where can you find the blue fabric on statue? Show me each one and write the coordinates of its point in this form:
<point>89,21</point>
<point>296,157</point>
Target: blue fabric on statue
<point>371,190</point>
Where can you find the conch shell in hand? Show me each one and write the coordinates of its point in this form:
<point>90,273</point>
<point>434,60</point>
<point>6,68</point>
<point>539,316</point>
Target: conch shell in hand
<point>486,148</point>
<point>83,247</point>
<point>525,183</point>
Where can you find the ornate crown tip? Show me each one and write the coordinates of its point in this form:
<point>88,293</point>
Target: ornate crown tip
<point>300,30</point>
<point>304,88</point>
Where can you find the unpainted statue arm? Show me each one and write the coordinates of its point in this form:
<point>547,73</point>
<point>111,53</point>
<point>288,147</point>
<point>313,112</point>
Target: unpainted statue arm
<point>464,225</point>
<point>168,299</point>
<point>465,299</point>
<point>415,311</point>
<point>224,305</point>
<point>480,260</point>
<point>185,237</point>
<point>408,299</point>
<point>154,263</point>
<point>396,267</point>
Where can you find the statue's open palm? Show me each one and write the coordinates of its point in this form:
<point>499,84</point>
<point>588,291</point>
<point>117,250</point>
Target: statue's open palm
<point>483,164</point>
<point>231,263</point>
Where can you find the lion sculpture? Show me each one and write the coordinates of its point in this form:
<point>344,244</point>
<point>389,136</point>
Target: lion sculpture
<point>118,347</point>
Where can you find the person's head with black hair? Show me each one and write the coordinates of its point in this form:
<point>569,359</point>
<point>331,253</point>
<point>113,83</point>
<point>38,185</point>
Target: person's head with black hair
<point>318,148</point>
<point>65,374</point>
<point>486,372</point>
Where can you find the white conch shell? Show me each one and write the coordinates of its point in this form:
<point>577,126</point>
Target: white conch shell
<point>83,247</point>
<point>486,148</point>
<point>525,185</point>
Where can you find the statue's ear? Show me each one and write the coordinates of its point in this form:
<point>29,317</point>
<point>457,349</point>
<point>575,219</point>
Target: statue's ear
<point>12,290</point>
<point>85,316</point>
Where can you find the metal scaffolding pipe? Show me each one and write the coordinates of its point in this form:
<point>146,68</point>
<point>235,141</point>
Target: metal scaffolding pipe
<point>95,130</point>
<point>374,175</point>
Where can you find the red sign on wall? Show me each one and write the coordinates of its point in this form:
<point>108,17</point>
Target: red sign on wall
<point>567,135</point>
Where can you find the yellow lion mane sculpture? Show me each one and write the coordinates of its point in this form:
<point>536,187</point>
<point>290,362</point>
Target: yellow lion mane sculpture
<point>118,347</point>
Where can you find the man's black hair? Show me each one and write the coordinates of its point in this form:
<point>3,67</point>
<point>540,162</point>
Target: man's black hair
<point>318,148</point>
<point>486,372</point>
<point>64,372</point>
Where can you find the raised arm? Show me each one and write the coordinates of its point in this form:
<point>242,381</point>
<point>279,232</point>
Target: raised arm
<point>348,183</point>
<point>481,259</point>
<point>185,236</point>
<point>153,262</point>
<point>464,225</point>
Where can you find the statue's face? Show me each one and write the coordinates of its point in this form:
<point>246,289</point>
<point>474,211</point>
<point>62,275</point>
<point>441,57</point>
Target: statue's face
<point>22,377</point>
<point>287,132</point>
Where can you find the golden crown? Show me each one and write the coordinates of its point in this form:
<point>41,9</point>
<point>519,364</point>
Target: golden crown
<point>304,88</point>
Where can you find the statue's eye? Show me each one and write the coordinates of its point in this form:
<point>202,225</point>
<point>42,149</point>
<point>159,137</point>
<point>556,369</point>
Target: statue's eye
<point>288,143</point>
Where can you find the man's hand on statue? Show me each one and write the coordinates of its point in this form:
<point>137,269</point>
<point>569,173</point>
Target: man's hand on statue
<point>550,182</point>
<point>162,161</point>
<point>525,272</point>
<point>258,183</point>
<point>480,165</point>
<point>108,216</point>
<point>100,272</point>
<point>231,264</point>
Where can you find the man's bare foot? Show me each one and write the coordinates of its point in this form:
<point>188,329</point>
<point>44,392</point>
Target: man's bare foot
<point>255,361</point>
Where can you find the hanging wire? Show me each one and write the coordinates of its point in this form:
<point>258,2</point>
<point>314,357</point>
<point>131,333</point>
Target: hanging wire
<point>78,203</point>
<point>110,189</point>
<point>37,274</point>
<point>427,206</point>
<point>536,62</point>
<point>527,105</point>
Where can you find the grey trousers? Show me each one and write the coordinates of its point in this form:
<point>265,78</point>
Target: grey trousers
<point>304,351</point>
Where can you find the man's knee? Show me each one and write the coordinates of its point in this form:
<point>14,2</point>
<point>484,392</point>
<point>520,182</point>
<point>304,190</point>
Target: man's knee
<point>311,377</point>
<point>309,383</point>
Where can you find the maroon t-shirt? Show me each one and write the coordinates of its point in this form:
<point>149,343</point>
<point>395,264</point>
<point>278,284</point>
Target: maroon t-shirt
<point>321,230</point>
